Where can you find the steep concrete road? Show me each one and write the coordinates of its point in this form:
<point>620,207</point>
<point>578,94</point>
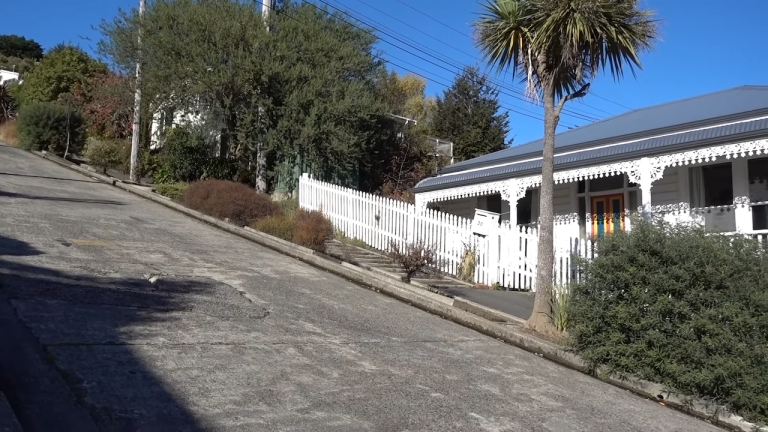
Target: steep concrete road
<point>87,338</point>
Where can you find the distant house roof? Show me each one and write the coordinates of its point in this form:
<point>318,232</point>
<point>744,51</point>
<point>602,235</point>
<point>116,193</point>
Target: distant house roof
<point>642,127</point>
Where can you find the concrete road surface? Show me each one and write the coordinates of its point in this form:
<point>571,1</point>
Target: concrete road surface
<point>87,338</point>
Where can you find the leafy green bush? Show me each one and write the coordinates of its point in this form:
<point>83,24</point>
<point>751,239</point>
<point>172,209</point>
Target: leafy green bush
<point>162,174</point>
<point>173,191</point>
<point>682,307</point>
<point>43,126</point>
<point>186,154</point>
<point>313,229</point>
<point>220,169</point>
<point>237,202</point>
<point>281,226</point>
<point>103,154</point>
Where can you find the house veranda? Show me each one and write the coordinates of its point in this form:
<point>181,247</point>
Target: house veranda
<point>701,160</point>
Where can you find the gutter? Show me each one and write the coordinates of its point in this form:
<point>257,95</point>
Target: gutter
<point>628,137</point>
<point>601,160</point>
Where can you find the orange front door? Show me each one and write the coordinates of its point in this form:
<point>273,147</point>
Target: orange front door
<point>607,214</point>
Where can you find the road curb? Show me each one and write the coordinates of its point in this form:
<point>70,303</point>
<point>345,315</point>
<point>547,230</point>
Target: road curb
<point>458,312</point>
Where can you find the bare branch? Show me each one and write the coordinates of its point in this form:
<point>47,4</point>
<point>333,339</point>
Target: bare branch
<point>577,94</point>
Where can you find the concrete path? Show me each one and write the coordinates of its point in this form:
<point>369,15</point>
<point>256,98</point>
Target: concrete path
<point>515,303</point>
<point>519,304</point>
<point>86,337</point>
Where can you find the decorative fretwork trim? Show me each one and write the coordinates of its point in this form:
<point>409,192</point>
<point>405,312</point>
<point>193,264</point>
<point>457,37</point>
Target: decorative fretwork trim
<point>643,171</point>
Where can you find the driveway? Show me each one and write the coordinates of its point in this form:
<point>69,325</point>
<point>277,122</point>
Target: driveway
<point>232,336</point>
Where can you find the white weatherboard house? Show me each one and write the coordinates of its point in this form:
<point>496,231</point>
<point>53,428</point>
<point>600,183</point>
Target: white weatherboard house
<point>703,160</point>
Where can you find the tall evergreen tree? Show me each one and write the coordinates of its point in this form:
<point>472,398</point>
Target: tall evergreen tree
<point>468,114</point>
<point>20,47</point>
<point>305,93</point>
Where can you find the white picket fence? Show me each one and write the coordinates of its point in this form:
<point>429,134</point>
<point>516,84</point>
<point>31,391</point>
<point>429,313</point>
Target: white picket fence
<point>506,255</point>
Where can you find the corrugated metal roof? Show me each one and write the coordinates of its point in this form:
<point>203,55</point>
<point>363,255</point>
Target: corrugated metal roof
<point>679,115</point>
<point>631,150</point>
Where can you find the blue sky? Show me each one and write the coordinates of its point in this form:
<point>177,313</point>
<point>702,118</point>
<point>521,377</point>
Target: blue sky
<point>704,47</point>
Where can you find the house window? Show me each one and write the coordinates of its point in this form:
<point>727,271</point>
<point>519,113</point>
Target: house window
<point>525,208</point>
<point>493,203</point>
<point>712,186</point>
<point>758,192</point>
<point>718,185</point>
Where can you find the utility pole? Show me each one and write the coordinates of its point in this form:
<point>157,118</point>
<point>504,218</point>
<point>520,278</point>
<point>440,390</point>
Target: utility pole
<point>137,104</point>
<point>261,157</point>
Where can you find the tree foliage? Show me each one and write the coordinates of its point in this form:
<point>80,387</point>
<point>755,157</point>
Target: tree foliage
<point>405,152</point>
<point>16,64</point>
<point>468,114</point>
<point>20,47</point>
<point>304,93</point>
<point>324,105</point>
<point>59,72</point>
<point>679,306</point>
<point>106,102</point>
<point>46,126</point>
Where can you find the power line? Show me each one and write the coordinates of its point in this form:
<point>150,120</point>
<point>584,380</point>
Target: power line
<point>415,55</point>
<point>520,95</point>
<point>400,66</point>
<point>474,56</point>
<point>434,19</point>
<point>608,100</point>
<point>468,36</point>
<point>577,115</point>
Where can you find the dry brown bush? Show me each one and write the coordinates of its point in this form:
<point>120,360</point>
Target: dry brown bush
<point>9,133</point>
<point>236,202</point>
<point>312,230</point>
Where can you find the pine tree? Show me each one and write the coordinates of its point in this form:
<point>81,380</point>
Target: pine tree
<point>468,114</point>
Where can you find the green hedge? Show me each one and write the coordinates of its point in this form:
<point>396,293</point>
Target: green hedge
<point>43,126</point>
<point>682,307</point>
<point>186,154</point>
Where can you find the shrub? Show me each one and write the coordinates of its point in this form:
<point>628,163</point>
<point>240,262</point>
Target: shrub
<point>281,226</point>
<point>289,206</point>
<point>43,126</point>
<point>186,154</point>
<point>467,266</point>
<point>413,257</point>
<point>229,200</point>
<point>681,307</point>
<point>560,305</point>
<point>221,169</point>
<point>173,191</point>
<point>313,229</point>
<point>7,103</point>
<point>9,133</point>
<point>103,154</point>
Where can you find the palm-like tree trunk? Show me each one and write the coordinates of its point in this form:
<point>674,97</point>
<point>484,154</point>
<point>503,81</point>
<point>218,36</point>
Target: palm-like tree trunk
<point>540,319</point>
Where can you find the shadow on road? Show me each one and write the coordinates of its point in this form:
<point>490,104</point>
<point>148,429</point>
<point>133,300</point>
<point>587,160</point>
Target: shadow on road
<point>59,199</point>
<point>46,177</point>
<point>69,355</point>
